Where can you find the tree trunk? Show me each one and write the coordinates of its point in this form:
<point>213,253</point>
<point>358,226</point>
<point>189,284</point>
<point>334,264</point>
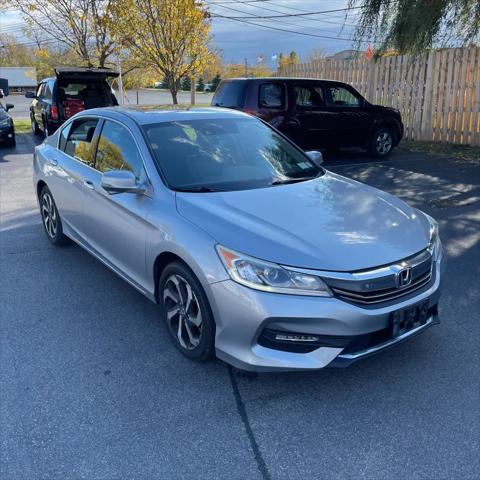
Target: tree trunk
<point>173,91</point>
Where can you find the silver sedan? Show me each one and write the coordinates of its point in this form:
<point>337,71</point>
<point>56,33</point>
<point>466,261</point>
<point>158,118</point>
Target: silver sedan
<point>254,252</point>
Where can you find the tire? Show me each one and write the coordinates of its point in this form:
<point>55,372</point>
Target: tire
<point>35,129</point>
<point>381,144</point>
<point>51,220</point>
<point>187,315</point>
<point>11,142</point>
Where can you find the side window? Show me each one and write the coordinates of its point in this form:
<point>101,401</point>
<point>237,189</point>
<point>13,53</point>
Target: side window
<point>309,96</point>
<point>47,91</point>
<point>40,90</point>
<point>117,150</point>
<point>341,97</point>
<point>79,141</point>
<point>271,95</point>
<point>62,142</point>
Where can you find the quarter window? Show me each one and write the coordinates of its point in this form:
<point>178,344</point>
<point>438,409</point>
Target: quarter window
<point>271,95</point>
<point>117,150</point>
<point>79,144</point>
<point>62,142</point>
<point>309,96</point>
<point>341,97</point>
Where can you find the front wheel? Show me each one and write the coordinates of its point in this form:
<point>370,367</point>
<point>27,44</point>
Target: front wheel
<point>52,222</point>
<point>381,143</point>
<point>186,312</point>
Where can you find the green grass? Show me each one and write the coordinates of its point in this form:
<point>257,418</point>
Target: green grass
<point>22,126</point>
<point>462,152</point>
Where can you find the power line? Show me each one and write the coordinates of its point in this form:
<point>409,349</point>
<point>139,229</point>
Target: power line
<point>289,31</point>
<point>303,14</point>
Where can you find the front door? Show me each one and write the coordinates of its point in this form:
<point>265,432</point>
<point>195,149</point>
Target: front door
<point>350,120</point>
<point>115,224</point>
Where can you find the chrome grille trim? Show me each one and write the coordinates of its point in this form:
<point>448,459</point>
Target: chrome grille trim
<point>389,294</point>
<point>378,285</point>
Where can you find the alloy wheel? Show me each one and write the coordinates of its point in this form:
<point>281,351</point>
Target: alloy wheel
<point>182,311</point>
<point>384,142</point>
<point>49,215</point>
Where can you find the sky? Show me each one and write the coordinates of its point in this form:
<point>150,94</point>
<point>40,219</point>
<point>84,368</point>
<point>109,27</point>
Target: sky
<point>236,40</point>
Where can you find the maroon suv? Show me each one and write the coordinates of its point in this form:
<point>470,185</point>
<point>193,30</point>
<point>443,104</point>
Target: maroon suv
<point>315,114</point>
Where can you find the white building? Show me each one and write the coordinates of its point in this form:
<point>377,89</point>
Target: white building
<point>19,78</point>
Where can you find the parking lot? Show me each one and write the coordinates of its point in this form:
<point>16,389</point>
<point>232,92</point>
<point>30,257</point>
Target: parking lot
<point>146,96</point>
<point>92,387</point>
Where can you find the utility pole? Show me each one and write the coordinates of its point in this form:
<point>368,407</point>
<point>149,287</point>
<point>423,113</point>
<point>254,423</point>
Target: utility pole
<point>120,82</point>
<point>246,67</point>
<point>192,91</point>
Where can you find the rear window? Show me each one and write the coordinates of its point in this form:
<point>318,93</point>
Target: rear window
<point>271,95</point>
<point>230,95</point>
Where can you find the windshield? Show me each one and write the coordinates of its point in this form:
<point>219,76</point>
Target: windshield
<point>226,154</point>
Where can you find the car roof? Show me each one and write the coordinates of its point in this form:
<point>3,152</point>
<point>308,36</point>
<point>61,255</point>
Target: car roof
<point>282,79</point>
<point>145,115</point>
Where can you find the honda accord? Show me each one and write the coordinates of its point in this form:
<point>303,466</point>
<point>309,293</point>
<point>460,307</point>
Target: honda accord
<point>254,252</point>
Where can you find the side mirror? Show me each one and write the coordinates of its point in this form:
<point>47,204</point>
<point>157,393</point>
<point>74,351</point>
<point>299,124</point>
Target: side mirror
<point>315,157</point>
<point>30,95</point>
<point>9,106</point>
<point>121,181</point>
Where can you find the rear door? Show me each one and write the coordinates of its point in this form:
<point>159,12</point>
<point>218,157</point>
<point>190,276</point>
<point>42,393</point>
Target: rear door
<point>115,225</point>
<point>69,166</point>
<point>309,113</point>
<point>350,118</point>
<point>272,102</point>
<point>82,88</point>
<point>39,103</point>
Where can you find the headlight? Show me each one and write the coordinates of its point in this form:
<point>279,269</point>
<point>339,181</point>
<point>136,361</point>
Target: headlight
<point>434,241</point>
<point>270,277</point>
<point>5,123</point>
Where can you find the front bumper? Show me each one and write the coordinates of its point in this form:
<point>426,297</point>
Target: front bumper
<point>242,314</point>
<point>6,133</point>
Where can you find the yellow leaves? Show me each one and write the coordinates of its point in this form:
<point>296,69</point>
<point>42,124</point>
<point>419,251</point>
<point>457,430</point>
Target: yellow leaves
<point>44,54</point>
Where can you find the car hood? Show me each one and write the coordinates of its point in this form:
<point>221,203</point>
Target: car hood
<point>329,223</point>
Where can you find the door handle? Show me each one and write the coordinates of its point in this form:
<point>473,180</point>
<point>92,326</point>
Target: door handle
<point>89,184</point>
<point>54,162</point>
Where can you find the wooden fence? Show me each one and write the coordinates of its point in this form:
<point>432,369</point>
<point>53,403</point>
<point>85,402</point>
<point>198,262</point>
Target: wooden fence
<point>437,93</point>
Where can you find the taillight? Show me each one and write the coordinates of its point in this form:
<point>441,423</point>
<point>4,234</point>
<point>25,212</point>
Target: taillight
<point>54,112</point>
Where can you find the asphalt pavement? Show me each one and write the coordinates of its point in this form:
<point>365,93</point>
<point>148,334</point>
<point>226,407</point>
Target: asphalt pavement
<point>91,386</point>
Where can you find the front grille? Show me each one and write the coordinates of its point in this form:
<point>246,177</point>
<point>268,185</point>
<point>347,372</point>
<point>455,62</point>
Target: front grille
<point>366,288</point>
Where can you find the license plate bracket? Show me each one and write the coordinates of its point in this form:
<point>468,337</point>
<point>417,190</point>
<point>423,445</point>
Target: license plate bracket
<point>409,318</point>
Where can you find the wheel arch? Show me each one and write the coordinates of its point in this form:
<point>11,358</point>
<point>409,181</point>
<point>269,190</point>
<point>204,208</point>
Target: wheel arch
<point>161,261</point>
<point>40,185</point>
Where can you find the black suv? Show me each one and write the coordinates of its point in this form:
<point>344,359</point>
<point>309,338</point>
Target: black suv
<point>315,114</point>
<point>69,92</point>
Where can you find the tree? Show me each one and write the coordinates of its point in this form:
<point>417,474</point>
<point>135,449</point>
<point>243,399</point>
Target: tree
<point>186,84</point>
<point>216,81</point>
<point>81,25</point>
<point>293,58</point>
<point>410,26</point>
<point>171,37</point>
<point>316,55</point>
<point>200,85</point>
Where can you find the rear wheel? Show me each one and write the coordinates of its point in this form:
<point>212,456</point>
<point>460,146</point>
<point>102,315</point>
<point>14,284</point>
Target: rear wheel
<point>35,129</point>
<point>52,222</point>
<point>381,143</point>
<point>186,312</point>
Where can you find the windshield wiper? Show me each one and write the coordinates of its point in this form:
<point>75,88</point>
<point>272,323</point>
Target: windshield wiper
<point>201,189</point>
<point>286,181</point>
